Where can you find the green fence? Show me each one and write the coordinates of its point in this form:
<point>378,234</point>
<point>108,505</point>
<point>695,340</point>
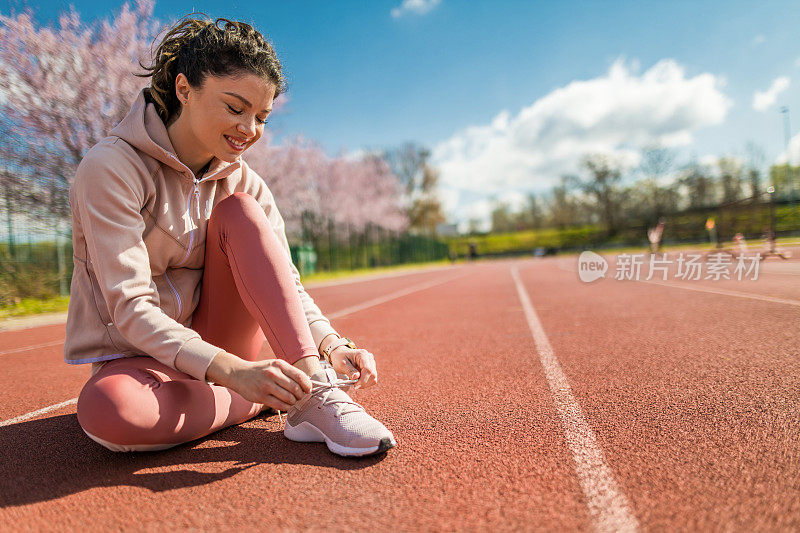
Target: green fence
<point>329,255</point>
<point>32,269</point>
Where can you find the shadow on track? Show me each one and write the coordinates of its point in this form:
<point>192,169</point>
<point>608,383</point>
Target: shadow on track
<point>50,458</point>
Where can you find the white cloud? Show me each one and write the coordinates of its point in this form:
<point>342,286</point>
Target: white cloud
<point>358,154</point>
<point>709,160</point>
<point>794,152</point>
<point>480,210</point>
<point>712,162</point>
<point>615,114</point>
<point>418,7</point>
<point>448,198</point>
<point>764,100</point>
<point>515,200</point>
<point>758,39</point>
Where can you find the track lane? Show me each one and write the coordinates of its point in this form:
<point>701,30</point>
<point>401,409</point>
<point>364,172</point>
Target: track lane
<point>775,278</point>
<point>608,505</point>
<point>20,339</point>
<point>22,354</point>
<point>479,442</point>
<point>36,379</point>
<point>693,396</point>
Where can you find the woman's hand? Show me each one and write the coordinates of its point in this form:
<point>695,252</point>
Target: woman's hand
<point>272,382</point>
<point>357,364</point>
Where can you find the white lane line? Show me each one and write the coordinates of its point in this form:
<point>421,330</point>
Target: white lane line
<point>32,414</point>
<point>607,504</point>
<point>35,346</point>
<point>778,273</point>
<point>348,310</point>
<point>375,277</point>
<point>392,296</point>
<point>337,314</point>
<point>726,292</point>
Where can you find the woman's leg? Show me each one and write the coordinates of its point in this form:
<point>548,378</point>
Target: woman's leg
<point>252,288</point>
<point>138,403</point>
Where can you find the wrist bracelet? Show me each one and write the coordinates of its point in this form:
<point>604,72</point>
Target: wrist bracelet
<point>342,341</point>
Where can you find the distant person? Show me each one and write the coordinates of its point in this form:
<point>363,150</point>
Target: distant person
<point>654,236</point>
<point>473,250</point>
<point>740,243</point>
<point>182,267</point>
<point>771,245</point>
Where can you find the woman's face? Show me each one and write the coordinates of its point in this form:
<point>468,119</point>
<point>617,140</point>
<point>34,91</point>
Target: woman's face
<point>227,114</point>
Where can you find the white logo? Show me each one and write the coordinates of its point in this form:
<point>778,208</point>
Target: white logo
<point>591,266</point>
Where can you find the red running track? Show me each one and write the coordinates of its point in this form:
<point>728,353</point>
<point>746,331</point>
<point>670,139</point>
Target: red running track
<point>692,399</point>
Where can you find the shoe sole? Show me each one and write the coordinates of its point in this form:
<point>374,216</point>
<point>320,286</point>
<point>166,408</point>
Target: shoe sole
<point>307,432</point>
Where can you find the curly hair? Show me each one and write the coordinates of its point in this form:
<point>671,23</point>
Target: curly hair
<point>199,48</point>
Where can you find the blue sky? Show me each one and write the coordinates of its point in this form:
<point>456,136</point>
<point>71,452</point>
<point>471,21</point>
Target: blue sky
<point>509,93</point>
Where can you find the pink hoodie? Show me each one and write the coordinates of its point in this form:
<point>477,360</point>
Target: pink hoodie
<point>139,229</point>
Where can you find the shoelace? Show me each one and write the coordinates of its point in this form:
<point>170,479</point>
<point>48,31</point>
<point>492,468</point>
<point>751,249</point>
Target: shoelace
<point>326,388</point>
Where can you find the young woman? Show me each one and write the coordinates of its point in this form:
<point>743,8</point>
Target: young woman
<point>182,267</point>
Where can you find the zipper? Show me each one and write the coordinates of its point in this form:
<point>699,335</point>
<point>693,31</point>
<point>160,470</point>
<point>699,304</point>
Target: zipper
<point>197,199</point>
<point>177,296</point>
<point>194,195</point>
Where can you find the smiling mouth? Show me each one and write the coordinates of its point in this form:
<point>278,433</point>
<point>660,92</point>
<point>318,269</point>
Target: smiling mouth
<point>237,145</point>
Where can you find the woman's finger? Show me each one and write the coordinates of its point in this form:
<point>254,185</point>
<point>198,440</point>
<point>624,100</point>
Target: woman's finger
<point>284,384</point>
<point>295,375</point>
<point>275,403</point>
<point>369,373</point>
<point>351,369</point>
<point>282,394</point>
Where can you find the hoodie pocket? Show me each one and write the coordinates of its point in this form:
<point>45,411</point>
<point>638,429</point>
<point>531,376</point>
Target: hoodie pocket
<point>114,335</point>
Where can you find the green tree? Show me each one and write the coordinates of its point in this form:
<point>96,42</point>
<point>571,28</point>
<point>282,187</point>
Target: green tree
<point>755,158</point>
<point>474,226</point>
<point>731,178</point>
<point>502,218</point>
<point>782,177</point>
<point>532,216</point>
<point>564,207</point>
<point>602,188</point>
<point>411,163</point>
<point>701,189</point>
<point>653,198</point>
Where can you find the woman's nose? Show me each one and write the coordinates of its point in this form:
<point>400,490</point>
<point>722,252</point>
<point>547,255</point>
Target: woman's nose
<point>248,128</point>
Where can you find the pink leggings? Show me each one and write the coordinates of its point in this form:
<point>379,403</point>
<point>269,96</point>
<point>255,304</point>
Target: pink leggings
<point>138,403</point>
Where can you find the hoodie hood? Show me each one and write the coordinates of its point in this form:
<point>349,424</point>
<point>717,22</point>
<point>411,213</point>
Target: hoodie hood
<point>143,129</point>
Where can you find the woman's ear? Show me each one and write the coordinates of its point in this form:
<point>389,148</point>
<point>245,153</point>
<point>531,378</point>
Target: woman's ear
<point>182,88</point>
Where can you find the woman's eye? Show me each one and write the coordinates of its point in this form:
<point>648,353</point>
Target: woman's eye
<point>265,121</point>
<point>234,111</point>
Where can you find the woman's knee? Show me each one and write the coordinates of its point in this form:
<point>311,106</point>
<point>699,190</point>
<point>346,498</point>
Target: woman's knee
<point>237,204</point>
<point>119,408</point>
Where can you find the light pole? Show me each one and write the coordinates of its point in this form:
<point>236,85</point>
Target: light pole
<point>772,236</point>
<point>787,139</point>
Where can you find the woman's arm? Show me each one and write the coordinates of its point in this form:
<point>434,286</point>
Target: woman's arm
<point>271,382</point>
<point>107,197</point>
